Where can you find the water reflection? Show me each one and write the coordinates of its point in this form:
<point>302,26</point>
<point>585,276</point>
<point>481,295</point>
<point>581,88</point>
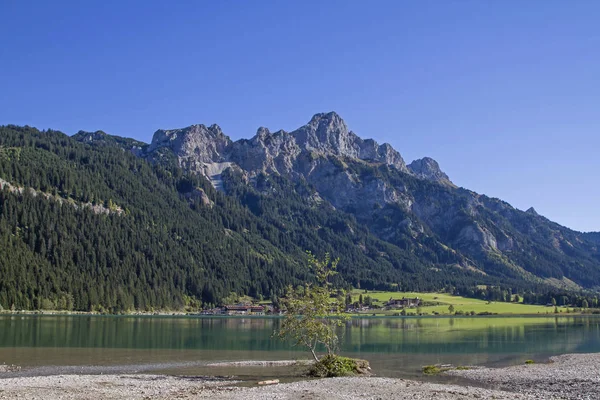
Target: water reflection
<point>362,337</point>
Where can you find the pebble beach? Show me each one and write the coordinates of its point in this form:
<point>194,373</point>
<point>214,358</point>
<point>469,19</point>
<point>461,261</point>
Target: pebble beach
<point>574,376</point>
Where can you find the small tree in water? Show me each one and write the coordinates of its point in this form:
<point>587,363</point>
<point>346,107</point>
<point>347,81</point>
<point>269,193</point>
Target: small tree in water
<point>312,317</point>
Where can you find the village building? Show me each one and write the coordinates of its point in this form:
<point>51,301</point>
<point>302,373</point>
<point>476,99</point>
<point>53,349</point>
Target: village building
<point>403,303</point>
<point>243,309</point>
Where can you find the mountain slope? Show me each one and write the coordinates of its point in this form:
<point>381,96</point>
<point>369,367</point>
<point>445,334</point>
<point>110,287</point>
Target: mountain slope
<point>96,221</point>
<point>168,247</point>
<point>593,237</point>
<point>413,207</point>
<point>87,226</point>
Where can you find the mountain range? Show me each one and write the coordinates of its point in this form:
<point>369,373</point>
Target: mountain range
<point>269,198</point>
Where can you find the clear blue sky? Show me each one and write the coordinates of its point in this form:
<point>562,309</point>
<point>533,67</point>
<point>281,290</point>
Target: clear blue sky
<point>503,94</point>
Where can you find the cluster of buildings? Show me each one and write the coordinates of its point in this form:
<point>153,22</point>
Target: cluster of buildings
<point>253,309</point>
<point>404,302</point>
<point>240,309</point>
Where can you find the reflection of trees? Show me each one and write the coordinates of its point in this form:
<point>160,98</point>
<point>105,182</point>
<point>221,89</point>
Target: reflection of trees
<point>474,335</point>
<point>396,323</point>
<point>378,335</point>
<point>139,332</point>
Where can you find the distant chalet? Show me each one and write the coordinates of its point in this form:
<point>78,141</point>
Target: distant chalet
<point>403,303</point>
<point>241,309</point>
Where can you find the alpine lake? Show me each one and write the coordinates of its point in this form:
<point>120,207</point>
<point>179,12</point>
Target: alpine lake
<point>199,346</point>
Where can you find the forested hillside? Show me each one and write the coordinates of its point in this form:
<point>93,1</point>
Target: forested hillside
<point>162,251</point>
<point>433,226</point>
<point>96,222</point>
<point>593,237</point>
<point>89,227</point>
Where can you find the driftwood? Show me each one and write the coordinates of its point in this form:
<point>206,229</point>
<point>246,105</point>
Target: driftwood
<point>270,382</point>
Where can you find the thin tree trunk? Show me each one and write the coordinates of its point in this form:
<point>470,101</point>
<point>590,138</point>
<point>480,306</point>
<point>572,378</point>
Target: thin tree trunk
<point>312,350</point>
<point>314,355</point>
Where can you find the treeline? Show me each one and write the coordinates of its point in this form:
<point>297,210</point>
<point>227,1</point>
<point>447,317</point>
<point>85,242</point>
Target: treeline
<point>543,296</point>
<point>562,299</point>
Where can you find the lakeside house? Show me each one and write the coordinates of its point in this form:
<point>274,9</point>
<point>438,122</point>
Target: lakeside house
<point>353,309</point>
<point>243,309</point>
<point>404,302</point>
<point>212,311</point>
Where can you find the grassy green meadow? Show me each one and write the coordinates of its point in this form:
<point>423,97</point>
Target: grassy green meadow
<point>461,304</point>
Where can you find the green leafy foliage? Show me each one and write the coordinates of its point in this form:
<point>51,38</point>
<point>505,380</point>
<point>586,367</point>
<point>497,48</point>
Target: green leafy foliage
<point>332,365</point>
<point>431,369</point>
<point>313,316</point>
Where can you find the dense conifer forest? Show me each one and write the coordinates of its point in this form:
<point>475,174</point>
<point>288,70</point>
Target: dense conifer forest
<point>95,228</point>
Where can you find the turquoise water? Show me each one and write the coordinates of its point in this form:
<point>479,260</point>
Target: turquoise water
<point>186,345</point>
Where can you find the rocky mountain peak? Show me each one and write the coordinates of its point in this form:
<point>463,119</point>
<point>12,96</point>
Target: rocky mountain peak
<point>206,144</point>
<point>327,133</point>
<point>216,130</point>
<point>429,169</point>
<point>532,211</point>
<point>330,119</point>
<point>263,132</point>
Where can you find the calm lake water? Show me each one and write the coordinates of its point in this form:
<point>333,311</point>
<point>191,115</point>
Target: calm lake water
<point>186,345</point>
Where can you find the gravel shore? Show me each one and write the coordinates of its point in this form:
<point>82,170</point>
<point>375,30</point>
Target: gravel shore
<point>565,377</point>
<point>71,387</point>
<point>143,387</point>
<point>570,376</point>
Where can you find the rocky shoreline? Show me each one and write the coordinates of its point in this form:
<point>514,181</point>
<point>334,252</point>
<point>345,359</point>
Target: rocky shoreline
<point>569,376</point>
<point>575,376</point>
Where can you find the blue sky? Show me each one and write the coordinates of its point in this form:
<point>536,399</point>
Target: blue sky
<point>503,94</point>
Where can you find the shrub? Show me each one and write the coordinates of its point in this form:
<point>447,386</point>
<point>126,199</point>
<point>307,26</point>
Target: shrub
<point>332,365</point>
<point>431,369</point>
<point>529,362</point>
<point>436,369</point>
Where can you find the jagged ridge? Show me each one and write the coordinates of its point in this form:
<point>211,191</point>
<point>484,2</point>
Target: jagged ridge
<point>416,206</point>
<point>326,134</point>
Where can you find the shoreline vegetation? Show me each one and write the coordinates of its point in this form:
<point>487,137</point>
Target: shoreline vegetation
<point>352,316</point>
<point>372,303</point>
<point>570,376</point>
